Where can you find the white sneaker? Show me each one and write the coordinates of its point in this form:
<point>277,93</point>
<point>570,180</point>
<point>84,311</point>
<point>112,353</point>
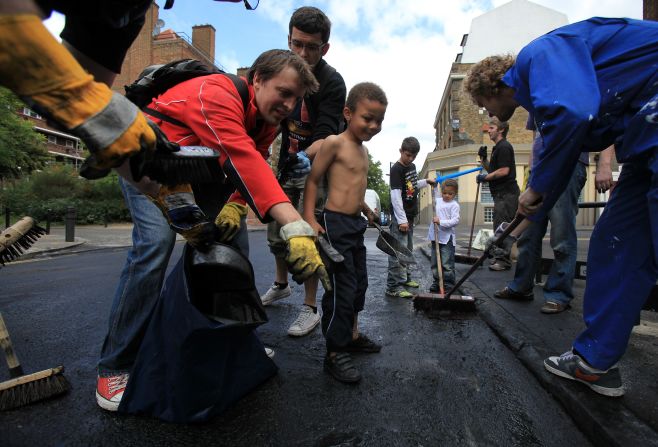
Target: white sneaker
<point>305,322</point>
<point>274,294</point>
<point>269,352</point>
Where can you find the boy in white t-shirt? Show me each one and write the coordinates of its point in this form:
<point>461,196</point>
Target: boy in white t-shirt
<point>446,216</point>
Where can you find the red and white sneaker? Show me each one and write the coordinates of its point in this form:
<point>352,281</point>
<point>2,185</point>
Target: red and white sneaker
<point>109,391</point>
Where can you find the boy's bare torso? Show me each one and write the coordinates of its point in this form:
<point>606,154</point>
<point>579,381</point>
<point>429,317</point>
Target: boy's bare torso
<point>347,176</point>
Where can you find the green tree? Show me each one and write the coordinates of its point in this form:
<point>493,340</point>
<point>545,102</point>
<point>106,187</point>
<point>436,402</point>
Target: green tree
<point>22,149</point>
<point>376,182</point>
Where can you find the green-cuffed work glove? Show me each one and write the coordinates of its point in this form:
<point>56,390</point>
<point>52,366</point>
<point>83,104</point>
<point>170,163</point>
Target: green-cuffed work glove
<point>228,221</point>
<point>302,256</point>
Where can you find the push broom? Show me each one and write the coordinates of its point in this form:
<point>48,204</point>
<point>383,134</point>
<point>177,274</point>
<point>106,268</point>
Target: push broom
<point>23,388</point>
<point>442,301</point>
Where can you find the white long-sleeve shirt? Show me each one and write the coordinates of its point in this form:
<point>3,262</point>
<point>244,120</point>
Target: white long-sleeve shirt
<point>448,213</point>
<point>396,202</point>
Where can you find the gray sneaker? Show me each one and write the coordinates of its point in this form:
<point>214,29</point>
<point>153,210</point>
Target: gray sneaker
<point>274,294</point>
<point>571,366</point>
<point>305,322</point>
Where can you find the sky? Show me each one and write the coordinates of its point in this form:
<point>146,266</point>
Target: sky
<point>405,46</point>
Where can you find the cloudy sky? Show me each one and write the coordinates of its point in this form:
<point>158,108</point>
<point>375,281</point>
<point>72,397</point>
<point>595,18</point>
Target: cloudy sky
<point>406,46</point>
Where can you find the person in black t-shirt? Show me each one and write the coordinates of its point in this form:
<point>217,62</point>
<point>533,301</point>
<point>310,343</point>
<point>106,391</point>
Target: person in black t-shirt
<point>501,175</point>
<point>404,202</point>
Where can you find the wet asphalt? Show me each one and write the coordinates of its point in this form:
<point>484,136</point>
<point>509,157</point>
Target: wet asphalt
<point>447,381</point>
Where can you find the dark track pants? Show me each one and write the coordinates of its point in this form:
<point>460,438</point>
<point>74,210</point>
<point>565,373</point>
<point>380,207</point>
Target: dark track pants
<point>348,278</point>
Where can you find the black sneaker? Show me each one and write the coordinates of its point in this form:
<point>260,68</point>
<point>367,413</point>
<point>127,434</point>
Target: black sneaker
<point>434,288</point>
<point>509,294</point>
<point>571,366</point>
<point>341,367</point>
<point>362,344</point>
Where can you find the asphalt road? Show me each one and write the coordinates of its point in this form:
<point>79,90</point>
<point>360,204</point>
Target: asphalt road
<point>436,382</point>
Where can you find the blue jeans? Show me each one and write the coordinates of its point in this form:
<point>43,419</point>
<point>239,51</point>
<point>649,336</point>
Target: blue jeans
<point>564,241</point>
<point>397,273</point>
<point>447,252</point>
<point>139,285</point>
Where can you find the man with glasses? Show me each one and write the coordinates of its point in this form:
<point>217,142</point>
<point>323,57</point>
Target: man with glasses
<point>315,117</point>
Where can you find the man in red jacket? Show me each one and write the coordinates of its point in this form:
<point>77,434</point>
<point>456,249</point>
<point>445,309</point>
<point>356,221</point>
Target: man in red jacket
<point>212,114</point>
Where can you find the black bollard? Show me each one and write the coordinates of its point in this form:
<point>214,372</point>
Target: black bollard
<point>7,222</point>
<point>69,223</point>
<point>48,217</point>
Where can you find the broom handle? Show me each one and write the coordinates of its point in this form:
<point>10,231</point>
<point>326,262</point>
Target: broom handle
<point>439,266</point>
<point>437,248</point>
<point>14,365</point>
<point>515,223</point>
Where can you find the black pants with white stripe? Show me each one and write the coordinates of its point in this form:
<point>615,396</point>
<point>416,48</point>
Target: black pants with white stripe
<point>348,278</point>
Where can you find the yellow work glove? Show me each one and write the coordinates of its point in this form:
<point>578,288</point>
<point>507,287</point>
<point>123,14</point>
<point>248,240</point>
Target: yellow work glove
<point>228,221</point>
<point>185,217</point>
<point>45,75</point>
<point>302,256</point>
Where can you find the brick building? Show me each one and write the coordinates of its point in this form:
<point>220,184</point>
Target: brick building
<point>154,45</point>
<point>460,126</point>
<point>62,147</point>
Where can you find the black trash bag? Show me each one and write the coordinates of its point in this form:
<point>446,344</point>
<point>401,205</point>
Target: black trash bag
<point>190,367</point>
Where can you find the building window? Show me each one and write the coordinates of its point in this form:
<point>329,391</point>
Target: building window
<point>488,214</point>
<point>485,193</point>
<point>32,113</point>
<point>70,143</point>
<point>52,139</point>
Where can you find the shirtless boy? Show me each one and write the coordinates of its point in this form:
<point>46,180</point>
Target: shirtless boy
<point>344,159</point>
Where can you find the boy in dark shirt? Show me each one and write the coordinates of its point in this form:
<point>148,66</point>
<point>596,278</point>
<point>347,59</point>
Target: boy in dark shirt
<point>404,202</point>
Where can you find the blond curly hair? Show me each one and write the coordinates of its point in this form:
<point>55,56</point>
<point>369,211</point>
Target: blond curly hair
<point>484,78</point>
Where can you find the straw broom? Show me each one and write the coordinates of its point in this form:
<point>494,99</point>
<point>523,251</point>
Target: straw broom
<point>23,389</point>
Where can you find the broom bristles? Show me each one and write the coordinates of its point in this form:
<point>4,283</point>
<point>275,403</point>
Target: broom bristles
<point>28,392</point>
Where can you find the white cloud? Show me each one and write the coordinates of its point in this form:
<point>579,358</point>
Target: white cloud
<point>408,46</point>
<point>405,46</point>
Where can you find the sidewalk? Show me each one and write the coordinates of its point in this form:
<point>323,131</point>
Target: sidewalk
<point>533,336</point>
<point>90,237</point>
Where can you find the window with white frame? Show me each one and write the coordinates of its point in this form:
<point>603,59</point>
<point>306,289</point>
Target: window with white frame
<point>70,143</point>
<point>32,113</point>
<point>488,214</point>
<point>485,193</point>
<point>52,139</point>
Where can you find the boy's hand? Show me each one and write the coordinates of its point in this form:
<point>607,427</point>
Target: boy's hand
<point>315,225</point>
<point>403,227</point>
<point>436,220</point>
<point>431,181</point>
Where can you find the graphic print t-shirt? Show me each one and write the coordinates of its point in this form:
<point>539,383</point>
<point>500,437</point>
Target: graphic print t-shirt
<point>405,179</point>
<point>298,129</point>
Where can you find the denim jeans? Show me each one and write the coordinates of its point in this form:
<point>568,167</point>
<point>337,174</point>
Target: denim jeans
<point>505,206</point>
<point>447,252</point>
<point>140,282</point>
<point>558,286</point>
<point>397,273</point>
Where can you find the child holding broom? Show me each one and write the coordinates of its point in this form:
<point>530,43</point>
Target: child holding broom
<point>344,159</point>
<point>446,217</point>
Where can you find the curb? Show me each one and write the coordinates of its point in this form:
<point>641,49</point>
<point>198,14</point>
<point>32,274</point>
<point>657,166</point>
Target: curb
<point>605,421</point>
<point>48,251</point>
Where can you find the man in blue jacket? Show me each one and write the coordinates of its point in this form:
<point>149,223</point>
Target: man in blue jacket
<point>589,85</point>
